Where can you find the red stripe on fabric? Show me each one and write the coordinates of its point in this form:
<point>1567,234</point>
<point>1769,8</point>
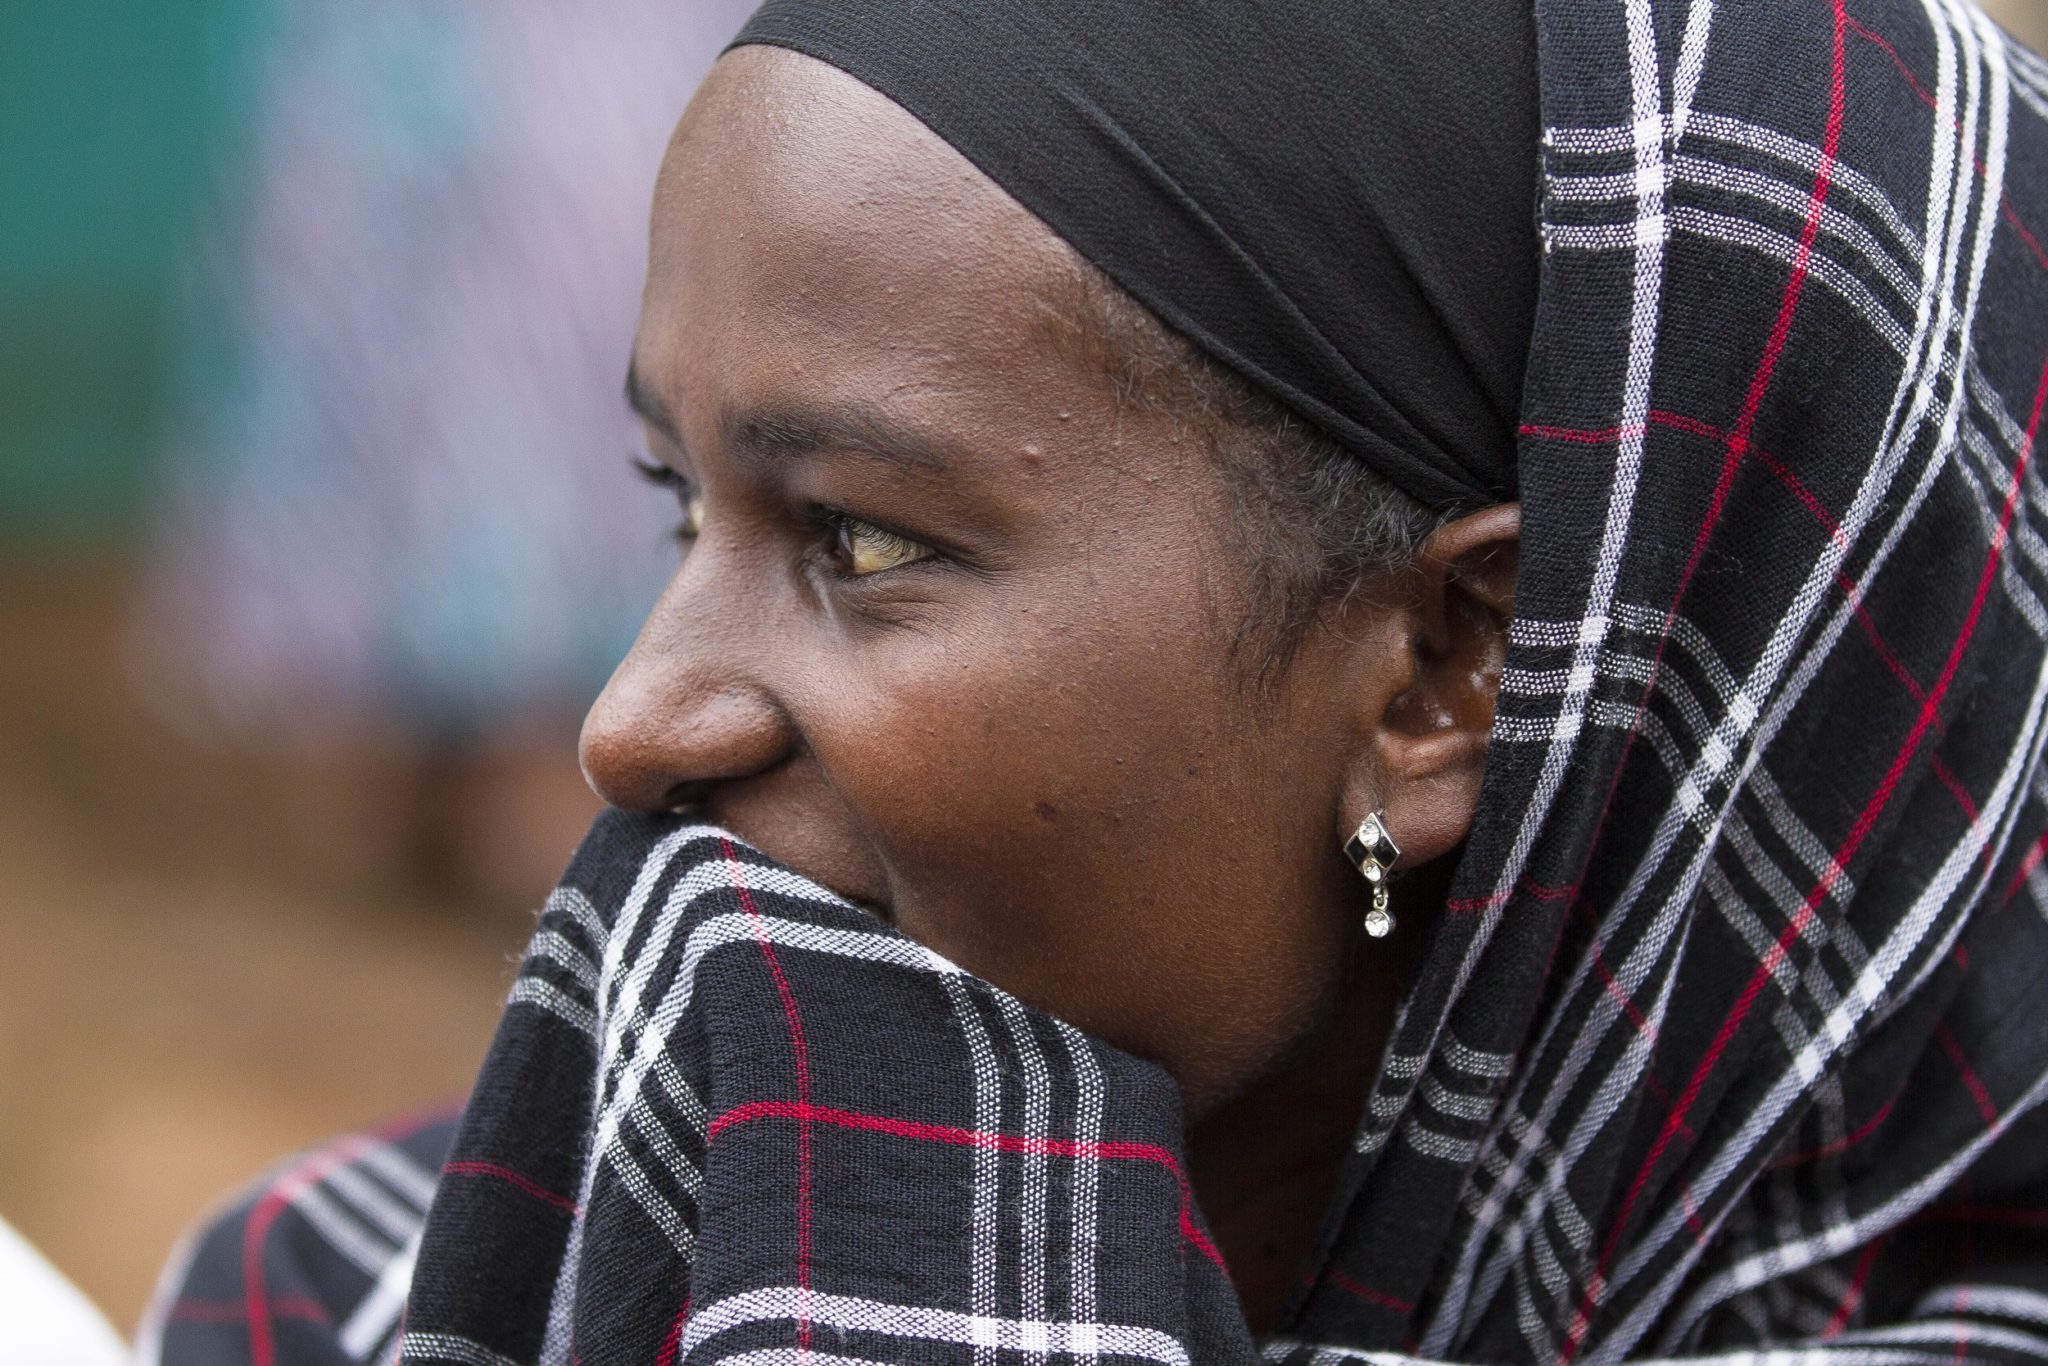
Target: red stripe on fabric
<point>802,1058</point>
<point>1865,821</point>
<point>2028,865</point>
<point>1621,998</point>
<point>2005,208</point>
<point>1367,1293</point>
<point>1108,1149</point>
<point>1737,444</point>
<point>1955,788</point>
<point>1114,1150</point>
<point>230,1311</point>
<point>1694,427</point>
<point>1853,1295</point>
<point>1693,1223</point>
<point>1580,436</point>
<point>1492,899</point>
<point>1971,1081</point>
<point>671,1343</point>
<point>1807,499</point>
<point>1839,1145</point>
<point>1863,31</point>
<point>511,1178</point>
<point>278,1198</point>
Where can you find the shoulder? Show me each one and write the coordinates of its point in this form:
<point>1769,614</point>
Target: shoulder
<point>311,1263</point>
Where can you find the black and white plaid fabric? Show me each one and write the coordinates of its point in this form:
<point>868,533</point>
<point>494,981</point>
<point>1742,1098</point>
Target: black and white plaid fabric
<point>1733,1043</point>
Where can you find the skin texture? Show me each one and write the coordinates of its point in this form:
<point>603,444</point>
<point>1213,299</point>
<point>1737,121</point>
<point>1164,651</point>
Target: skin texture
<point>1030,749</point>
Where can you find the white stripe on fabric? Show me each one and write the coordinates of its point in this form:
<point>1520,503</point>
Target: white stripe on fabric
<point>343,1230</point>
<point>397,1169</point>
<point>1890,959</point>
<point>1445,1101</point>
<point>984,1239</point>
<point>375,1318</point>
<point>570,903</point>
<point>653,1203</point>
<point>1953,1334</point>
<point>794,1356</point>
<point>448,1347</point>
<point>1646,88</point>
<point>542,994</point>
<point>1796,152</point>
<point>553,947</point>
<point>853,1314</point>
<point>1743,181</point>
<point>556,1341</point>
<point>1478,1062</point>
<point>1859,515</point>
<point>398,1220</point>
<point>1032,1201</point>
<point>1086,1172</point>
<point>1442,1147</point>
<point>2006,1301</point>
<point>1746,233</point>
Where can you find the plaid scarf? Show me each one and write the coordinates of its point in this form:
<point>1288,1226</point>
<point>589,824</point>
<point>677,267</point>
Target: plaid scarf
<point>1733,1040</point>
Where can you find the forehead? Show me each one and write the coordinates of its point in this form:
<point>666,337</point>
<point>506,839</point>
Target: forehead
<point>803,219</point>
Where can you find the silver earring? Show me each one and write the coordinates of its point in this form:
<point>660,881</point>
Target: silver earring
<point>1373,850</point>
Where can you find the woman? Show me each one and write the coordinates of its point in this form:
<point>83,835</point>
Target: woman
<point>1136,498</point>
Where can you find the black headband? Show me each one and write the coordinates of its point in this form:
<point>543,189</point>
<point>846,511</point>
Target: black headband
<point>1336,200</point>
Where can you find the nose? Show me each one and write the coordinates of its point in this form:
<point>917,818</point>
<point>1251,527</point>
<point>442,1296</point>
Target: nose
<point>686,712</point>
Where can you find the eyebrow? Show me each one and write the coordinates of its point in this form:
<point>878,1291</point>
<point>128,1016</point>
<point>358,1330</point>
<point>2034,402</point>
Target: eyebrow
<point>796,430</point>
<point>782,431</point>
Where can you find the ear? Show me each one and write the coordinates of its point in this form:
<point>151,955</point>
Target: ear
<point>1430,716</point>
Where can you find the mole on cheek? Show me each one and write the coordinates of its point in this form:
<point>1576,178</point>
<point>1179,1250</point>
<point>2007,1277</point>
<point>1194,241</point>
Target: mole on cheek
<point>1046,811</point>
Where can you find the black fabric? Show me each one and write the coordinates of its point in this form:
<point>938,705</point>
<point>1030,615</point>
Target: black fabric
<point>1336,200</point>
<point>1731,1042</point>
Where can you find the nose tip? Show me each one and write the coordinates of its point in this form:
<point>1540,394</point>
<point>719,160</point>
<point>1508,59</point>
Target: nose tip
<point>652,743</point>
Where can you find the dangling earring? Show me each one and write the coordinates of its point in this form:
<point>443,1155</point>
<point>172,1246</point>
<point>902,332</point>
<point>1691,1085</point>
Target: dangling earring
<point>1374,851</point>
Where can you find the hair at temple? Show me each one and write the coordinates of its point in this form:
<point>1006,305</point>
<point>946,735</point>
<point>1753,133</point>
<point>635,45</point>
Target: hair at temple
<point>1311,521</point>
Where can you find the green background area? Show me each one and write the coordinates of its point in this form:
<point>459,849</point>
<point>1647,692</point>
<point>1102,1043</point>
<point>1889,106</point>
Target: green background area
<point>110,111</point>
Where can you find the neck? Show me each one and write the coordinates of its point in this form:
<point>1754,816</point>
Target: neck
<point>1265,1163</point>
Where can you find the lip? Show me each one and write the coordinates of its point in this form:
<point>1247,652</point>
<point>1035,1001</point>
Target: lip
<point>699,810</point>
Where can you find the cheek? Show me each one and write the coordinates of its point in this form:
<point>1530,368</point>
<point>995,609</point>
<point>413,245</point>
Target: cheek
<point>1086,811</point>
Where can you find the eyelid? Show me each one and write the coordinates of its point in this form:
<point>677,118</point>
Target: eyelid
<point>687,494</point>
<point>837,523</point>
<point>848,531</point>
<point>658,474</point>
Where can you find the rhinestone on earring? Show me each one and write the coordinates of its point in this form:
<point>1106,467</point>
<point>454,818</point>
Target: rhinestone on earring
<point>1374,852</point>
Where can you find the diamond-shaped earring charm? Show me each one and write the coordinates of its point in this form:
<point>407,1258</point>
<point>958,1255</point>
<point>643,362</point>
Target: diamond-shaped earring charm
<point>1373,851</point>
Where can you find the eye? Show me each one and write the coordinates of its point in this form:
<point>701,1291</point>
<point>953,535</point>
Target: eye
<point>687,496</point>
<point>861,548</point>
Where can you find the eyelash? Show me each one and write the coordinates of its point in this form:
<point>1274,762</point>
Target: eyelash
<point>841,526</point>
<point>662,477</point>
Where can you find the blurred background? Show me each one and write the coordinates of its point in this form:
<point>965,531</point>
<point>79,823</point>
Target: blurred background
<point>317,534</point>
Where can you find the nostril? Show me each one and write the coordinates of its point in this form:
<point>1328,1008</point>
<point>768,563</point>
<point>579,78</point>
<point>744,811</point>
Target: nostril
<point>687,796</point>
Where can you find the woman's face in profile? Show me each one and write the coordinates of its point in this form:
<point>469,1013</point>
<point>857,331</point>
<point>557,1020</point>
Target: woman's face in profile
<point>951,632</point>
